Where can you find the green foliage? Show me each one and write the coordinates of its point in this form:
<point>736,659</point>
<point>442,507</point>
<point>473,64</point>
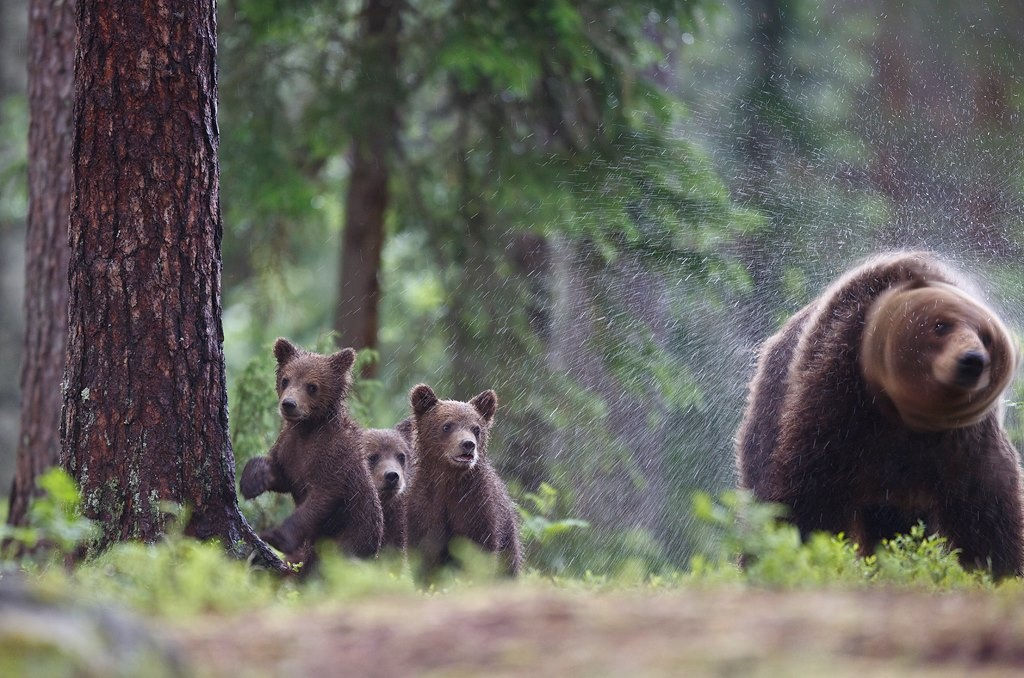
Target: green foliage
<point>181,577</point>
<point>177,576</point>
<point>254,418</point>
<point>13,159</point>
<point>920,559</point>
<point>774,556</point>
<point>56,527</point>
<point>544,534</point>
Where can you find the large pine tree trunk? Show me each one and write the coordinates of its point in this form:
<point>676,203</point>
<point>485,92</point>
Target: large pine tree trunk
<point>374,130</point>
<point>51,62</point>
<point>145,406</point>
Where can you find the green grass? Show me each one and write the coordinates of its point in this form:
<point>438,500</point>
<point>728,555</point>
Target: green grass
<point>179,576</point>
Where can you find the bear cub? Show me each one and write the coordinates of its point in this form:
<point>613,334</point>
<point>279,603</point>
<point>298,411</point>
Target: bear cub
<point>456,492</point>
<point>389,456</point>
<point>317,458</point>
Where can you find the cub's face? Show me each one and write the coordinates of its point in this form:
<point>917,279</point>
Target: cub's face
<point>388,456</point>
<point>452,431</point>
<point>940,355</point>
<point>310,385</point>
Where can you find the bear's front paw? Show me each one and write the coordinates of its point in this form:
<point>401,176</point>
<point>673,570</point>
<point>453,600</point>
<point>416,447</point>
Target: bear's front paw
<point>256,477</point>
<point>273,538</point>
<point>280,540</point>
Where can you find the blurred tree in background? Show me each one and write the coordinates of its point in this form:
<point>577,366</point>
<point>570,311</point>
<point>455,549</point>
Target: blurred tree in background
<point>51,70</point>
<point>596,208</point>
<point>13,206</point>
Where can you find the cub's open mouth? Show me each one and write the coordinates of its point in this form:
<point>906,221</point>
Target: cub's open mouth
<point>464,458</point>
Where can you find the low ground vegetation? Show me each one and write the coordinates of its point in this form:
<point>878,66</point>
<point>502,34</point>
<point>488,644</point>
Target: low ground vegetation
<point>795,606</point>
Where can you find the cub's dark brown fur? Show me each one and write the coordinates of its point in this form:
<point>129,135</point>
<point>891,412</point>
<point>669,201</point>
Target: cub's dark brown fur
<point>827,437</point>
<point>317,458</point>
<point>389,456</point>
<point>456,491</point>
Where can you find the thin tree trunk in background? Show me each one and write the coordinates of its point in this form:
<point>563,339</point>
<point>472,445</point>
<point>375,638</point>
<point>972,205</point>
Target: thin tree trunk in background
<point>764,91</point>
<point>145,405</point>
<point>763,101</point>
<point>51,62</point>
<point>357,316</point>
<point>374,132</point>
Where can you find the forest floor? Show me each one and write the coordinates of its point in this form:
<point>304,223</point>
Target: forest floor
<point>533,630</point>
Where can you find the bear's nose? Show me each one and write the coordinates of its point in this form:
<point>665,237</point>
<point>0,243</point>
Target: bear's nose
<point>288,405</point>
<point>969,367</point>
<point>468,445</point>
<point>391,477</point>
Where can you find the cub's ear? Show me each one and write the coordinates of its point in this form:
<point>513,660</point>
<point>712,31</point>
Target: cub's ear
<point>486,404</point>
<point>284,351</point>
<point>406,429</point>
<point>341,362</point>
<point>422,398</point>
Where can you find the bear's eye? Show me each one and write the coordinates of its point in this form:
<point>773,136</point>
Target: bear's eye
<point>447,428</point>
<point>374,458</point>
<point>401,459</point>
<point>986,339</point>
<point>476,431</point>
<point>284,382</point>
<point>311,389</point>
<point>942,327</point>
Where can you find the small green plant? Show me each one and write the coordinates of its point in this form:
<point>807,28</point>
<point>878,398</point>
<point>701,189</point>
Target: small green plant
<point>921,559</point>
<point>56,527</point>
<point>543,533</point>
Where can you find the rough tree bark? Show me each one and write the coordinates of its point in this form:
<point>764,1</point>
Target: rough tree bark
<point>375,126</point>
<point>51,68</point>
<point>145,406</point>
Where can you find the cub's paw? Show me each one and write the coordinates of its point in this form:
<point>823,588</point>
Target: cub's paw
<point>273,537</point>
<point>281,540</point>
<point>256,477</point>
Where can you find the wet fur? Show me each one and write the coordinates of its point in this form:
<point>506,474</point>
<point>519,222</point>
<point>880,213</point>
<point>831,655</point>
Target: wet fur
<point>446,502</point>
<point>815,439</point>
<point>318,460</point>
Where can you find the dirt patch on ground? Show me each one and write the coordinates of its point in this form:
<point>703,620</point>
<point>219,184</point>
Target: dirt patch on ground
<point>512,631</point>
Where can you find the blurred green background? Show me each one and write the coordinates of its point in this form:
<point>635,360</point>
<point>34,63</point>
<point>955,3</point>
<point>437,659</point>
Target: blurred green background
<point>597,209</point>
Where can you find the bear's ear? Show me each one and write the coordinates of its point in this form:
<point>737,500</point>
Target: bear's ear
<point>341,361</point>
<point>486,404</point>
<point>406,429</point>
<point>284,351</point>
<point>422,398</point>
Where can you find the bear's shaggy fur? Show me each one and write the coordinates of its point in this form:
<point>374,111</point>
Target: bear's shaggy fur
<point>317,458</point>
<point>389,456</point>
<point>456,491</point>
<point>876,406</point>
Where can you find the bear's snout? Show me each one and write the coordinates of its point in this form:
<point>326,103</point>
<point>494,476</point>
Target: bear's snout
<point>468,445</point>
<point>288,407</point>
<point>969,368</point>
<point>391,478</point>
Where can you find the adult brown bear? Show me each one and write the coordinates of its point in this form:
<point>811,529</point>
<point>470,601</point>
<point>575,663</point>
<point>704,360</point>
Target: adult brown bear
<point>876,405</point>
